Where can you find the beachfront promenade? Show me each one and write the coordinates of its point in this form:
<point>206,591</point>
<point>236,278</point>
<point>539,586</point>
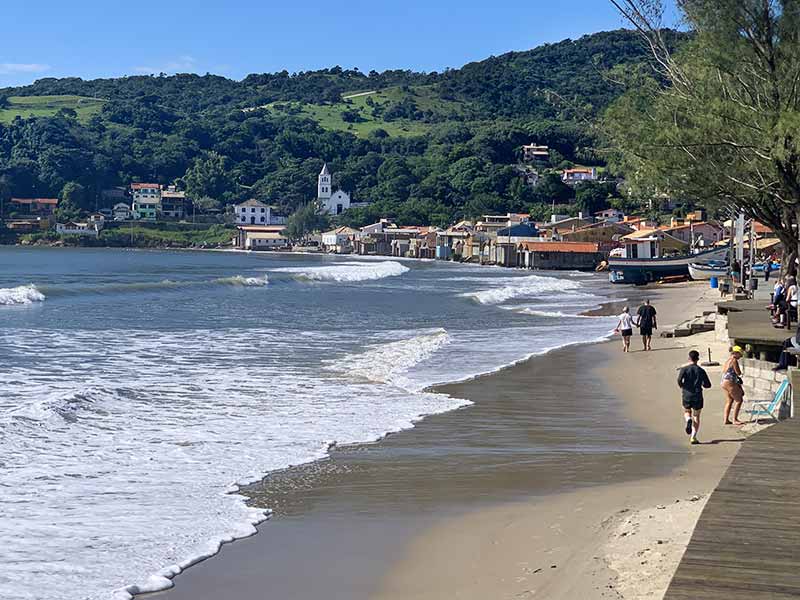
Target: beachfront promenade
<point>745,544</point>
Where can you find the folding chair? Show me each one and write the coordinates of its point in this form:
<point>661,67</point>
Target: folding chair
<point>770,408</point>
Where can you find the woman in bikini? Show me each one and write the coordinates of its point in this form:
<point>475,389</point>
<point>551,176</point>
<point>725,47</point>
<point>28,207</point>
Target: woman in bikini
<point>732,385</point>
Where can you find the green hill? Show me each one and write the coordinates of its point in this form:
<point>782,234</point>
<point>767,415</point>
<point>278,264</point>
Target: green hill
<point>421,146</point>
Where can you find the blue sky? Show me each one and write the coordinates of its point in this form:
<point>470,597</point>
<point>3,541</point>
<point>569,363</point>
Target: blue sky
<point>109,38</point>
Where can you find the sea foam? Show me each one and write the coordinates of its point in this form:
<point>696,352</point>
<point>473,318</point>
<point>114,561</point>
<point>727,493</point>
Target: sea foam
<point>23,294</point>
<point>349,272</point>
<point>532,285</point>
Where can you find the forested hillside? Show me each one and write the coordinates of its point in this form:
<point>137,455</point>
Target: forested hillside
<point>421,146</point>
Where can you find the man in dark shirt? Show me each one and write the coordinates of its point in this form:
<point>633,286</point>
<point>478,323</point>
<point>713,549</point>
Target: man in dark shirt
<point>692,379</point>
<point>646,323</point>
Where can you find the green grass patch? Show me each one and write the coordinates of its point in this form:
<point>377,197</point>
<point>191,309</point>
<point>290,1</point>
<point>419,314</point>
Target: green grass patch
<point>47,106</point>
<point>373,111</point>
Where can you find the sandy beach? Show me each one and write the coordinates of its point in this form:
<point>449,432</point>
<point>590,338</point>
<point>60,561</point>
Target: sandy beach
<point>570,476</point>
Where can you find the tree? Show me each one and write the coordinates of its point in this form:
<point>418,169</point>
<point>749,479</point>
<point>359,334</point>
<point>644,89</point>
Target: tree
<point>306,220</point>
<point>208,176</point>
<point>73,194</point>
<point>719,121</point>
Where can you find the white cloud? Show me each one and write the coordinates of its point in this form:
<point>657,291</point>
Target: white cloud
<point>182,64</point>
<point>21,68</point>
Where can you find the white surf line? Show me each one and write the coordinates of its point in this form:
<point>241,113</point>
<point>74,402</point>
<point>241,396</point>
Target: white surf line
<point>359,94</point>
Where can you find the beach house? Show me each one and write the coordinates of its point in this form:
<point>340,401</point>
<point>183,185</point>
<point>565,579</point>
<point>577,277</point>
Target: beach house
<point>559,255</point>
<point>81,228</point>
<point>339,240</point>
<point>261,237</point>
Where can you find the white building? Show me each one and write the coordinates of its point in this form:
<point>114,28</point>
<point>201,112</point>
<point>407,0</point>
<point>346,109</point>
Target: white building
<point>76,228</point>
<point>255,212</point>
<point>121,212</point>
<point>97,219</point>
<point>265,240</point>
<point>333,203</point>
<point>339,240</point>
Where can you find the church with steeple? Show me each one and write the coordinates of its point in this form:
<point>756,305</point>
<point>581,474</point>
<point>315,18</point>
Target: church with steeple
<point>333,203</point>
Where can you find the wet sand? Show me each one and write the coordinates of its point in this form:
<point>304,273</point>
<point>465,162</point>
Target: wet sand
<point>469,504</point>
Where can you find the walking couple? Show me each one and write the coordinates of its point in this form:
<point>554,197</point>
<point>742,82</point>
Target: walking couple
<point>645,321</point>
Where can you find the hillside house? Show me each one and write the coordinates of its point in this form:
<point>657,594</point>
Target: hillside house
<point>575,176</point>
<point>33,206</point>
<point>174,204</point>
<point>121,212</point>
<point>532,153</point>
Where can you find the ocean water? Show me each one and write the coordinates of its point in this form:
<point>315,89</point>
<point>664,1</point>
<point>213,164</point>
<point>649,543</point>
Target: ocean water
<point>139,388</point>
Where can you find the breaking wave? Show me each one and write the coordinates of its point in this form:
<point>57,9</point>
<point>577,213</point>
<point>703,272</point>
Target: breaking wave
<point>388,363</point>
<point>350,272</point>
<point>23,294</point>
<point>244,281</point>
<point>531,285</point>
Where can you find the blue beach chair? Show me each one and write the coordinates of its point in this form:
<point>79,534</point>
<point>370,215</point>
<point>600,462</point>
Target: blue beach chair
<point>770,408</point>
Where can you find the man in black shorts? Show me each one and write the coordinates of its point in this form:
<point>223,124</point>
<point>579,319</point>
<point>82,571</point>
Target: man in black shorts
<point>646,323</point>
<point>692,379</point>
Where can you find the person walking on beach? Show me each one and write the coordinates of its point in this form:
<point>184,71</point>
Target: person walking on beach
<point>625,328</point>
<point>732,386</point>
<point>647,322</point>
<point>692,379</point>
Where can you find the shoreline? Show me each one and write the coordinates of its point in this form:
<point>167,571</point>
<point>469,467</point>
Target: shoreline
<point>292,517</point>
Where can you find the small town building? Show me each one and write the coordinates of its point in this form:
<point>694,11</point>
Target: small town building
<point>330,202</point>
<point>97,219</point>
<point>27,225</point>
<point>574,176</point>
<point>174,203</point>
<point>121,212</point>
<point>258,237</point>
<point>559,255</point>
<point>255,212</point>
<point>33,206</point>
<point>81,228</point>
<point>614,215</point>
<point>605,232</point>
<point>339,240</point>
<point>521,232</point>
<point>146,201</point>
<point>697,234</point>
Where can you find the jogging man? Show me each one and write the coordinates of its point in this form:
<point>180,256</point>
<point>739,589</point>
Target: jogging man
<point>692,379</point>
<point>646,323</point>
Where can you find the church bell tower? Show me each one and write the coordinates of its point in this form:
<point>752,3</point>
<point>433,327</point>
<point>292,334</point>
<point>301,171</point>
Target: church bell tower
<point>324,187</point>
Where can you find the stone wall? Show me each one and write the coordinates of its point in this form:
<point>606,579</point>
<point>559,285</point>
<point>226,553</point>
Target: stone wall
<point>761,382</point>
<point>721,328</point>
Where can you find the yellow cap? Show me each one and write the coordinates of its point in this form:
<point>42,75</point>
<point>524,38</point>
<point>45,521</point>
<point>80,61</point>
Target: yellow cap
<point>737,349</point>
